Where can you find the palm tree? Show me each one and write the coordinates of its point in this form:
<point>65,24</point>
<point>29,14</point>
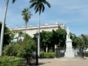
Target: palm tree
<point>3,25</point>
<point>26,16</point>
<point>39,7</point>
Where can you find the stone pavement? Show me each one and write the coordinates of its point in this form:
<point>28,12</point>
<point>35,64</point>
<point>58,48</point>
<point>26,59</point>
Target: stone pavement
<point>63,62</point>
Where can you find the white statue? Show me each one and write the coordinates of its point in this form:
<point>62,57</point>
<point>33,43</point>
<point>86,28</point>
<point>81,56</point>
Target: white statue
<point>69,53</point>
<point>68,33</point>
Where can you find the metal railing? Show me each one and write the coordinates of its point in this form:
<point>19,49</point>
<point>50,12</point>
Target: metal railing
<point>78,52</point>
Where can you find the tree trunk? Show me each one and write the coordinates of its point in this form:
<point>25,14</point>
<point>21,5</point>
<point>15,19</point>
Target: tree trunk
<point>27,60</point>
<point>3,25</point>
<point>25,27</point>
<point>39,36</point>
<point>46,48</point>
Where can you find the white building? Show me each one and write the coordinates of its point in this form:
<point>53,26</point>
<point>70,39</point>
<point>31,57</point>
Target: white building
<point>31,30</point>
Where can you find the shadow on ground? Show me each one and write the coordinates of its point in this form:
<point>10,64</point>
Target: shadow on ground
<point>39,64</point>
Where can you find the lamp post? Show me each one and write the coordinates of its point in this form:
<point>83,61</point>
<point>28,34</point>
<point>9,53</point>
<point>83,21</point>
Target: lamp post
<point>36,35</point>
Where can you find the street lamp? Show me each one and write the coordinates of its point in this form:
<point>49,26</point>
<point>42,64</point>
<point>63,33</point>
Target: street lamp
<point>36,35</point>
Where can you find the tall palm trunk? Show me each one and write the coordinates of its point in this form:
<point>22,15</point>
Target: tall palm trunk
<point>2,29</point>
<point>25,28</point>
<point>39,36</point>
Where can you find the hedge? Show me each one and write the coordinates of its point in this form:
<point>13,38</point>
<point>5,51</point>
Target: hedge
<point>11,61</point>
<point>48,55</point>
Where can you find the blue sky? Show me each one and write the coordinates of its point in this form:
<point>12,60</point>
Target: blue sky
<point>74,13</point>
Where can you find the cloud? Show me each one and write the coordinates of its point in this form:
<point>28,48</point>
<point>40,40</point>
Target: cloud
<point>72,12</point>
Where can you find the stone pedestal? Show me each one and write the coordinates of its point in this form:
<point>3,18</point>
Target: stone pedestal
<point>69,50</point>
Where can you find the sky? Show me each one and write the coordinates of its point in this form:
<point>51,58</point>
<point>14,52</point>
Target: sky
<point>73,13</point>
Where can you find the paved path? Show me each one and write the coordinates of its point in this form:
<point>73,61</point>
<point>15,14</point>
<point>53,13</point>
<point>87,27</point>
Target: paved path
<point>63,62</point>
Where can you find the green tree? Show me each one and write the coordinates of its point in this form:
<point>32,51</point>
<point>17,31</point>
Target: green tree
<point>59,37</point>
<point>24,50</point>
<point>75,40</point>
<point>7,35</point>
<point>26,16</point>
<point>50,39</point>
<point>39,7</point>
<point>84,39</point>
<point>29,47</point>
<point>79,42</point>
<point>46,38</point>
<point>11,49</point>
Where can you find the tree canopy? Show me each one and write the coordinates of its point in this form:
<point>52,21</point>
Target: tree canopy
<point>7,35</point>
<point>39,5</point>
<point>26,14</point>
<point>59,37</point>
<point>49,39</point>
<point>84,40</point>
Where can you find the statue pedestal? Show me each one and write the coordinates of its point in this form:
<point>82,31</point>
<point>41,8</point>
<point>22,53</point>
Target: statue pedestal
<point>69,51</point>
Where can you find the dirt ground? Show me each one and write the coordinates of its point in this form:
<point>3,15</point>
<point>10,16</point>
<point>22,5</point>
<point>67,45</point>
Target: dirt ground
<point>63,62</point>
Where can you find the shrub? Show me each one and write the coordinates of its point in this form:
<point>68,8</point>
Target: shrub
<point>28,48</point>
<point>11,61</point>
<point>25,50</point>
<point>48,55</point>
<point>86,53</point>
<point>11,49</point>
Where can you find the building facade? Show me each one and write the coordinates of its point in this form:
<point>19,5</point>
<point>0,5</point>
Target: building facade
<point>31,30</point>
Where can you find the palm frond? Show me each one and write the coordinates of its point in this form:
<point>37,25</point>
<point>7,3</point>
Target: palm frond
<point>26,14</point>
<point>40,9</point>
<point>36,10</point>
<point>47,4</point>
<point>32,5</point>
<point>31,1</point>
<point>43,8</point>
<point>39,5</point>
<point>13,1</point>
